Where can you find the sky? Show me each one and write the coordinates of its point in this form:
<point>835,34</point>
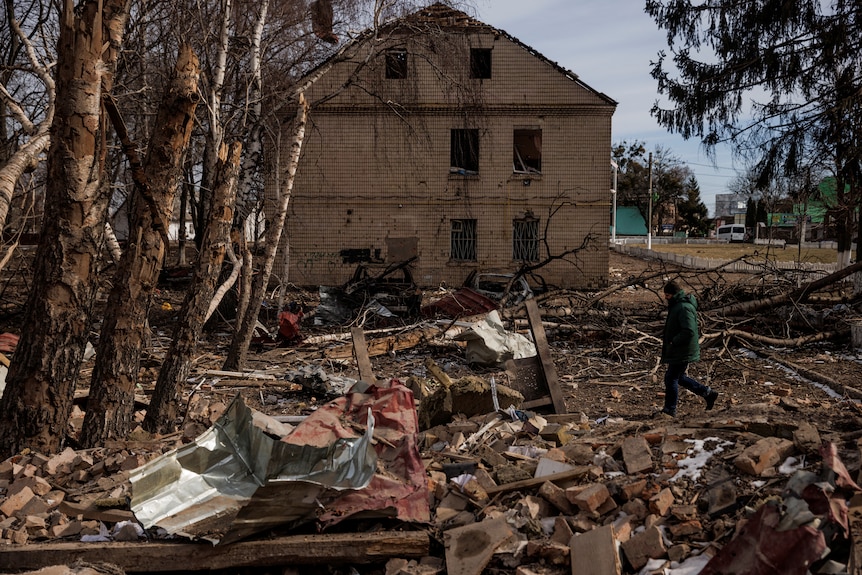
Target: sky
<point>609,44</point>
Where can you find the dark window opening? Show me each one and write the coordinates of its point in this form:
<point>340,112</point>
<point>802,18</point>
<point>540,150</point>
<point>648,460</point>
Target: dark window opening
<point>527,152</point>
<point>396,64</point>
<point>464,152</point>
<point>480,63</point>
<point>463,246</point>
<point>525,240</point>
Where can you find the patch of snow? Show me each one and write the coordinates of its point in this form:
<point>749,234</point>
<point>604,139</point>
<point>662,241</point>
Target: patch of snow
<point>698,456</point>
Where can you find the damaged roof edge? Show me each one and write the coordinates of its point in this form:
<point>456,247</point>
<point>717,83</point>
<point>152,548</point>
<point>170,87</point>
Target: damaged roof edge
<point>442,17</point>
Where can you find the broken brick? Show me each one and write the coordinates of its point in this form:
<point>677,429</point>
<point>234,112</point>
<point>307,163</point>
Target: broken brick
<point>637,455</point>
<point>644,546</point>
<point>661,503</point>
<point>13,504</point>
<point>556,496</point>
<point>590,497</point>
<point>766,453</point>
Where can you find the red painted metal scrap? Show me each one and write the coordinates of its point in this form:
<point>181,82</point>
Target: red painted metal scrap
<point>399,488</point>
<point>460,303</point>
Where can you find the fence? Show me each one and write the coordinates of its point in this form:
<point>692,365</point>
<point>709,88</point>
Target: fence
<point>700,263</point>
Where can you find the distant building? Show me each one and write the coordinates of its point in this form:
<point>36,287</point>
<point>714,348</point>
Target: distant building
<point>730,208</point>
<point>443,139</point>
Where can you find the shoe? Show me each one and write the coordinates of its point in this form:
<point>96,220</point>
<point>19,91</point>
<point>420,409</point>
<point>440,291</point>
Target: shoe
<point>662,414</point>
<point>711,396</point>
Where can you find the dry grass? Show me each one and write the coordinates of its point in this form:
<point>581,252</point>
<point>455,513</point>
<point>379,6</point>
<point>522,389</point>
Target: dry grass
<point>733,251</point>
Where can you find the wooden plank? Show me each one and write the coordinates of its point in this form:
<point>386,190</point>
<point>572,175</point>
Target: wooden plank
<point>340,548</point>
<point>536,481</point>
<point>544,352</point>
<point>384,345</point>
<point>594,552</point>
<point>360,352</point>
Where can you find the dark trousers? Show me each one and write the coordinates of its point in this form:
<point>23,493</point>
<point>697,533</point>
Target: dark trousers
<point>673,379</point>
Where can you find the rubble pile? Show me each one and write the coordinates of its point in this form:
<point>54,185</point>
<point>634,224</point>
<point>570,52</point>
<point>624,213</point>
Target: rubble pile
<point>749,489</point>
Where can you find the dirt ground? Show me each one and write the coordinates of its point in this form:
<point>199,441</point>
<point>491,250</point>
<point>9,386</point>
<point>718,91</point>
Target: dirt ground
<point>605,349</point>
<point>607,356</point>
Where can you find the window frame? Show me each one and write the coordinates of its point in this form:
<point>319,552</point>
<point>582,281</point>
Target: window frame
<point>464,151</point>
<point>481,63</point>
<point>527,150</point>
<point>396,64</point>
<point>463,244</point>
<point>524,248</point>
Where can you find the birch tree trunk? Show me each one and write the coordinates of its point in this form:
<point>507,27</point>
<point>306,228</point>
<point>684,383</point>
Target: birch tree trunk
<point>44,371</point>
<point>250,165</point>
<point>238,350</point>
<point>110,406</point>
<point>27,155</point>
<point>215,134</point>
<point>164,406</point>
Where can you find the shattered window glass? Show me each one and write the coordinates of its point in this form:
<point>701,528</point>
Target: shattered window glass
<point>525,240</point>
<point>527,152</point>
<point>463,240</point>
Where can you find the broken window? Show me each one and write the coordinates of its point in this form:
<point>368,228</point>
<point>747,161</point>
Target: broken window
<point>463,240</point>
<point>396,64</point>
<point>525,239</point>
<point>464,151</point>
<point>480,63</point>
<point>527,155</point>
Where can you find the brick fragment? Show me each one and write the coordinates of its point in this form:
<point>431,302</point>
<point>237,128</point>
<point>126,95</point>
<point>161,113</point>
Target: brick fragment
<point>632,489</point>
<point>661,503</point>
<point>766,453</point>
<point>13,504</point>
<point>686,528</point>
<point>644,546</point>
<point>556,496</point>
<point>589,498</point>
<point>36,484</point>
<point>637,455</point>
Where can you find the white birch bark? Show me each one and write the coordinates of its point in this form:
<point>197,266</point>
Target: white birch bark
<point>27,155</point>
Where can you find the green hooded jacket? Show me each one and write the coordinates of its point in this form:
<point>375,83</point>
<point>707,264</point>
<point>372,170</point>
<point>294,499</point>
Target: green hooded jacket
<point>680,341</point>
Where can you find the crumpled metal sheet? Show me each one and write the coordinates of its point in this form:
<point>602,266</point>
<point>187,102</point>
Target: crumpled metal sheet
<point>399,488</point>
<point>235,480</point>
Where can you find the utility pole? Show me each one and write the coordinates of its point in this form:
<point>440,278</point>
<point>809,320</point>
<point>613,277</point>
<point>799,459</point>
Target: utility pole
<point>616,168</point>
<point>649,217</point>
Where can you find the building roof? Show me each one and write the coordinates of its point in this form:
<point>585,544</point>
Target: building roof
<point>440,16</point>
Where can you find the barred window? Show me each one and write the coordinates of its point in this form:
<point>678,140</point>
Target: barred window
<point>463,246</point>
<point>525,240</point>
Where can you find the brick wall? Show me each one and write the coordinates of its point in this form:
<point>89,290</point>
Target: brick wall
<point>374,175</point>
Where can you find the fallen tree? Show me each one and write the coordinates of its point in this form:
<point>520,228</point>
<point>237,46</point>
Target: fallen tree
<point>796,296</point>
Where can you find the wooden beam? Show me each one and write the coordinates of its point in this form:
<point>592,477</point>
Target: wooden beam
<point>163,557</point>
<point>544,352</point>
<point>360,352</point>
<point>537,481</point>
<point>384,345</point>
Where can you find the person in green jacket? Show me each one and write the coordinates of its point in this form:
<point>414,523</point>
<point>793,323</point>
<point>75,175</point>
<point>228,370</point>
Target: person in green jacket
<point>680,347</point>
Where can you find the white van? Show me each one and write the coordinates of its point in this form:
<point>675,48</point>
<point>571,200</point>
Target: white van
<point>731,233</point>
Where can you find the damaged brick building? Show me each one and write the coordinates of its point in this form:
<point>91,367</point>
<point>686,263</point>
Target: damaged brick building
<point>443,139</point>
